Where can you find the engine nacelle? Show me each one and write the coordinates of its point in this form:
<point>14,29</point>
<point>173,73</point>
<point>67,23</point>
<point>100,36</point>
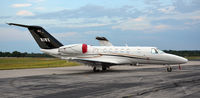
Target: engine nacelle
<point>74,49</point>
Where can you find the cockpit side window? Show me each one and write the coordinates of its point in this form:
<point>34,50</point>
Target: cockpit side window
<point>154,51</point>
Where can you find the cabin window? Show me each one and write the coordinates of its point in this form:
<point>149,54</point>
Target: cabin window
<point>154,51</point>
<point>97,50</point>
<point>122,50</point>
<point>104,50</point>
<point>128,50</point>
<point>116,50</point>
<point>110,50</point>
<point>138,51</point>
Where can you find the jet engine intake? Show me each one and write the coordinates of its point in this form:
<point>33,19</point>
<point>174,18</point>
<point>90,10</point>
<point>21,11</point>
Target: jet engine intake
<point>74,49</point>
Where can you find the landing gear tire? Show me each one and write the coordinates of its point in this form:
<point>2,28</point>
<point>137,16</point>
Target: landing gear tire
<point>104,68</point>
<point>169,69</point>
<point>95,69</point>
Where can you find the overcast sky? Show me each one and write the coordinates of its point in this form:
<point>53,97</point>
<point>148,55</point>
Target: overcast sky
<point>166,24</point>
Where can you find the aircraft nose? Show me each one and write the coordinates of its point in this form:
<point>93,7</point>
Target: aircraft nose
<point>177,59</point>
<point>183,60</point>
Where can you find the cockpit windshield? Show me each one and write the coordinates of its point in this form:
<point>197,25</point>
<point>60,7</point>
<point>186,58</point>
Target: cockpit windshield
<point>156,51</point>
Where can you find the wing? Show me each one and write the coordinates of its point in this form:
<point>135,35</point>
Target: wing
<point>103,41</point>
<point>110,60</point>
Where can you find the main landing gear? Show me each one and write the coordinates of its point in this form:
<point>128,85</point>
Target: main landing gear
<point>97,68</point>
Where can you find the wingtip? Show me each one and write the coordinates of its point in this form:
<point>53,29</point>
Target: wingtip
<point>9,23</point>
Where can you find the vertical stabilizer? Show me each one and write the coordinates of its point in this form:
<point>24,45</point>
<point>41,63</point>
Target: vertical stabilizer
<point>41,36</point>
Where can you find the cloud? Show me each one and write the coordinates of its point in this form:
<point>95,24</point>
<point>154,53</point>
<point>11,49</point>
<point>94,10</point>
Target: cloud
<point>40,8</point>
<point>140,24</point>
<point>84,25</point>
<point>36,1</point>
<point>68,37</point>
<point>195,17</point>
<point>156,3</point>
<point>95,32</point>
<point>185,6</point>
<point>12,34</point>
<point>89,16</point>
<point>160,27</point>
<point>124,18</point>
<point>168,19</point>
<point>76,22</point>
<point>171,20</point>
<point>167,10</point>
<point>91,11</point>
<point>25,13</point>
<point>64,35</point>
<point>21,5</point>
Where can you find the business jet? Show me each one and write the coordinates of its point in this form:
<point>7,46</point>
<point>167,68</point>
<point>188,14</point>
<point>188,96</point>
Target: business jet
<point>103,56</point>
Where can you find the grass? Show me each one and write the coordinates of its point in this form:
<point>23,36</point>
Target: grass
<point>23,63</point>
<point>27,62</point>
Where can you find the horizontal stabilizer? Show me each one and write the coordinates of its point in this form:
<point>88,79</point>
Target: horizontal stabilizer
<point>101,38</point>
<point>22,25</point>
<point>18,25</point>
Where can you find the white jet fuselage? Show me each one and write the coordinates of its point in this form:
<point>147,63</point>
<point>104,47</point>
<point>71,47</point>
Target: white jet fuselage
<point>116,55</point>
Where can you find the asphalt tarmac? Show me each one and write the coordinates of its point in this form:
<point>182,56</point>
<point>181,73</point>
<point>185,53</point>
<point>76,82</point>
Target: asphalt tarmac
<point>148,81</point>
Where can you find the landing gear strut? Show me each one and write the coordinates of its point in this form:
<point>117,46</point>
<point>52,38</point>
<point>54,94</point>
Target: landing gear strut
<point>179,67</point>
<point>95,69</point>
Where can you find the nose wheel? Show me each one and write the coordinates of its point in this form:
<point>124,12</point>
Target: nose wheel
<point>169,69</point>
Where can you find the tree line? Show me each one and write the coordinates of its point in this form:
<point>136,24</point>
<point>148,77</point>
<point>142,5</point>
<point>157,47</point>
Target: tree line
<point>183,53</point>
<point>22,54</point>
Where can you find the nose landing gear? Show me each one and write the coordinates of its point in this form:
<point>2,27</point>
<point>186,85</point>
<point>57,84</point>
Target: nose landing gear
<point>179,67</point>
<point>169,69</point>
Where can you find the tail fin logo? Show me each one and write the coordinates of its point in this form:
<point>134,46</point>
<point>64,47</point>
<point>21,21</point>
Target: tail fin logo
<point>45,39</point>
<point>39,31</point>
